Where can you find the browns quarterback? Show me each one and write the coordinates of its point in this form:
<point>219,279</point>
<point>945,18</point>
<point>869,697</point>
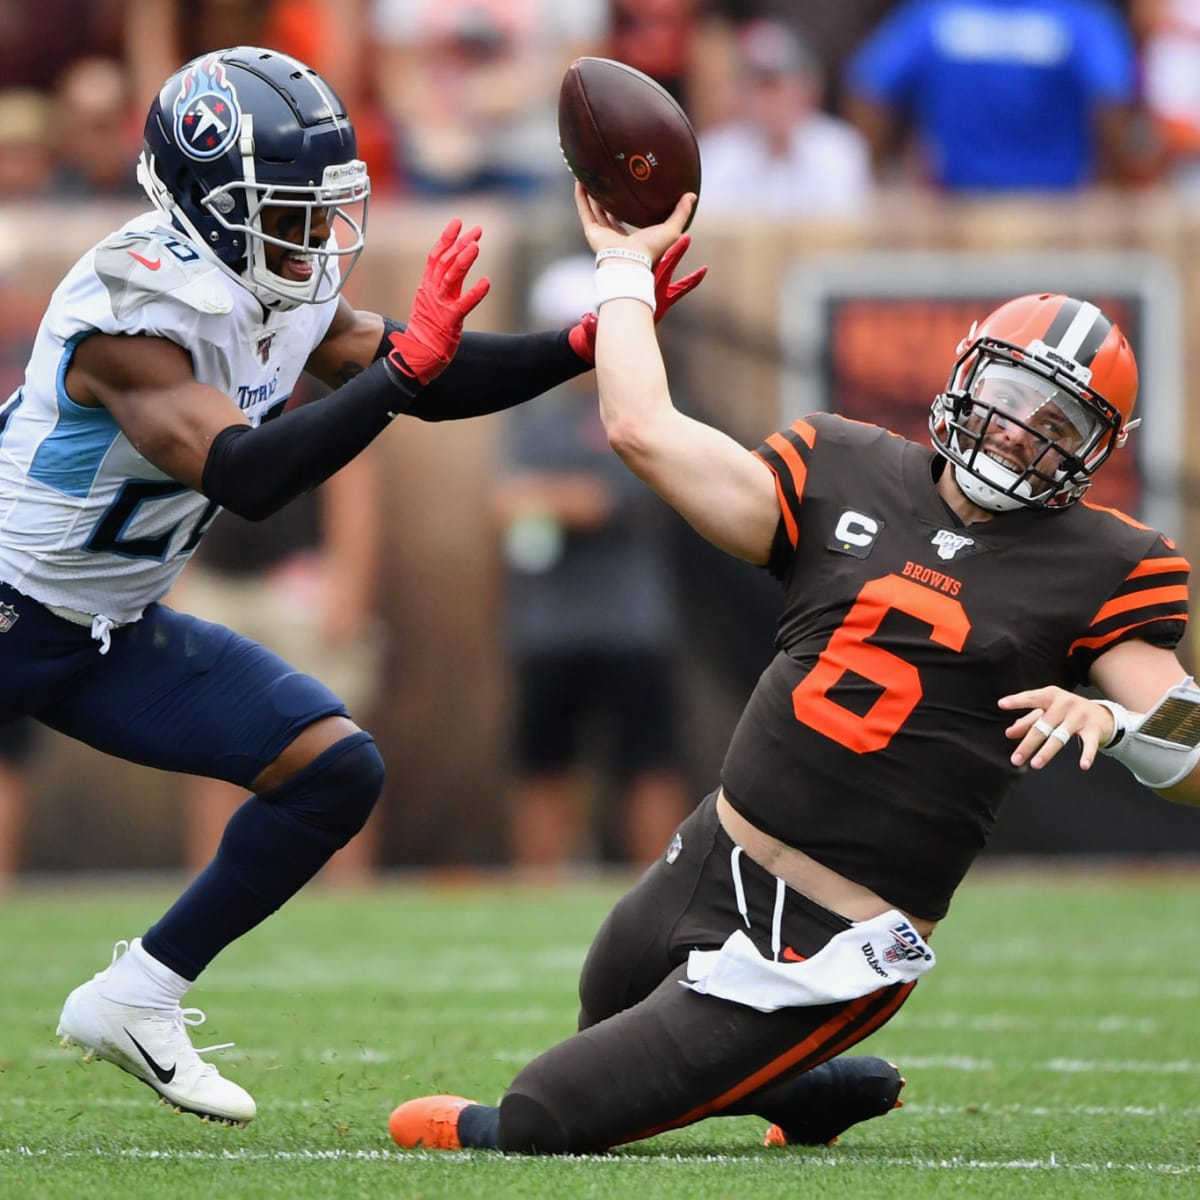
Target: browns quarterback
<point>945,610</point>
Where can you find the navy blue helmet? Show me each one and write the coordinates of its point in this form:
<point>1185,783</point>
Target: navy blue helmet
<point>238,130</point>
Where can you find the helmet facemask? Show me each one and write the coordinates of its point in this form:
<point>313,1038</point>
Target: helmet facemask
<point>1022,430</point>
<point>342,185</point>
<point>237,207</point>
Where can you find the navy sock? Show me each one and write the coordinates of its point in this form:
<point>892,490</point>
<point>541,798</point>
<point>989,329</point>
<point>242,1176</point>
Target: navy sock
<point>479,1127</point>
<point>272,846</point>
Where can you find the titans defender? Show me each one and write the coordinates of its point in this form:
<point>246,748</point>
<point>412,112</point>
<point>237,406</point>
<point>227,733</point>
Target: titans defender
<point>152,400</point>
<point>940,606</point>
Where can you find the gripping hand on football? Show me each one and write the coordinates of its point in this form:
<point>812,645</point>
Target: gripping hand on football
<point>667,290</point>
<point>423,350</point>
<point>603,230</point>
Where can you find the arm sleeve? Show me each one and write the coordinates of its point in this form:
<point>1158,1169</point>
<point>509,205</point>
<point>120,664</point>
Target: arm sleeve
<point>254,472</point>
<point>493,371</point>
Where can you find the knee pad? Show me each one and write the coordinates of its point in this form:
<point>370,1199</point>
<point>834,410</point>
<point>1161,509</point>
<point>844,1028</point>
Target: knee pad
<point>336,792</point>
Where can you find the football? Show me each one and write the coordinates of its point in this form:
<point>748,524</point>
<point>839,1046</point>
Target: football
<point>626,140</point>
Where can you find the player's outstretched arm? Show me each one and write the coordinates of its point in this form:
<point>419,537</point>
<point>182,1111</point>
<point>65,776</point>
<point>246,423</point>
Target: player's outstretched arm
<point>1149,719</point>
<point>722,489</point>
<point>197,435</point>
<point>460,374</point>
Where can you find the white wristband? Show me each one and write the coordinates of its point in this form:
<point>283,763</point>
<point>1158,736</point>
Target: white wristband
<point>624,281</point>
<point>624,252</point>
<point>1120,716</point>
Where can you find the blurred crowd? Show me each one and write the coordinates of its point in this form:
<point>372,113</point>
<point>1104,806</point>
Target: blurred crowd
<point>802,108</point>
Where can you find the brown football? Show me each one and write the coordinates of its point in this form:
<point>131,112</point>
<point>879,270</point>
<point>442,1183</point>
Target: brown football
<point>626,140</point>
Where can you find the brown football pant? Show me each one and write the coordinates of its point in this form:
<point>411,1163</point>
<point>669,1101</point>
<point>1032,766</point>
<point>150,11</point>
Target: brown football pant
<point>651,1054</point>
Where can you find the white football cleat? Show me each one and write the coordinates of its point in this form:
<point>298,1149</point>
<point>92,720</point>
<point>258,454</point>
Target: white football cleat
<point>152,1045</point>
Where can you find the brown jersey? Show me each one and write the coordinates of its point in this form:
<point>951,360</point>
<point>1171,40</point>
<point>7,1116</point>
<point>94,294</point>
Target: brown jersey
<point>873,741</point>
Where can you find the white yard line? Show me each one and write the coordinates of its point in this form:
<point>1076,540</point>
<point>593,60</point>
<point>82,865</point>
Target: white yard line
<point>398,1158</point>
<point>912,1062</point>
<point>912,1108</point>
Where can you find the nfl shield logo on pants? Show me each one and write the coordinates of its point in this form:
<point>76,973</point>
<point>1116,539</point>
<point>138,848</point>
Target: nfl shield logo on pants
<point>8,617</point>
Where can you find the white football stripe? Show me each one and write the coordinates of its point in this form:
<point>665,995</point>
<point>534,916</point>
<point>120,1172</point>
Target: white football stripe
<point>1079,328</point>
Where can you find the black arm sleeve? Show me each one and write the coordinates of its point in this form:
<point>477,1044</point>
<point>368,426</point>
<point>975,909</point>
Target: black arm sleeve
<point>255,472</point>
<point>493,371</point>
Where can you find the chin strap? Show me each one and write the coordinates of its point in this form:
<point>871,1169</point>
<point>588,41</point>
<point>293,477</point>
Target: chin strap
<point>1162,746</point>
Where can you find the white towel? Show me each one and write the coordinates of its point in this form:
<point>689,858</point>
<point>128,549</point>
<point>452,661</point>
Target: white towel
<point>871,954</point>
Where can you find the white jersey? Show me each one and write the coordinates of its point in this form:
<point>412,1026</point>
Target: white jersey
<point>86,523</point>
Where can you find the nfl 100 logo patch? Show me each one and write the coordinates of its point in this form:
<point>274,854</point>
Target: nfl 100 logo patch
<point>8,617</point>
<point>949,543</point>
<point>906,945</point>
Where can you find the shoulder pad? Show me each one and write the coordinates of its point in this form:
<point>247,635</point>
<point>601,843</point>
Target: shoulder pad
<point>138,268</point>
<point>834,427</point>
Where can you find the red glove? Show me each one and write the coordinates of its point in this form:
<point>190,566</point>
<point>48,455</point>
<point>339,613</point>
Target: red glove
<point>666,292</point>
<point>424,349</point>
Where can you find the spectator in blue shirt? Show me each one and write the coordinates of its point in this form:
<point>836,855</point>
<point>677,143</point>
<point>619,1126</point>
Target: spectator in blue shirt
<point>1000,95</point>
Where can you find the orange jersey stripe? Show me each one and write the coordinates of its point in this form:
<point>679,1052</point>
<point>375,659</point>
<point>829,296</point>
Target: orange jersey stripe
<point>805,432</point>
<point>1159,566</point>
<point>797,469</point>
<point>791,459</point>
<point>1176,594</point>
<point>1115,512</point>
<point>853,1038</point>
<point>789,522</point>
<point>1093,643</point>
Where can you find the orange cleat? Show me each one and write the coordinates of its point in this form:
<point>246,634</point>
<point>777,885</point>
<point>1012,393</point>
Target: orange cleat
<point>428,1123</point>
<point>776,1137</point>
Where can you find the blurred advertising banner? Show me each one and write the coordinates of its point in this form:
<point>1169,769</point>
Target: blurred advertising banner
<point>873,336</point>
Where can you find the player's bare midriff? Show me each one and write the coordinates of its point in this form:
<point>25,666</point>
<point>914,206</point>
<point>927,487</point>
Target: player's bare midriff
<point>803,873</point>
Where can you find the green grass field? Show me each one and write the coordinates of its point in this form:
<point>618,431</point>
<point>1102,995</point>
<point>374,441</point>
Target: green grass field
<point>1053,1052</point>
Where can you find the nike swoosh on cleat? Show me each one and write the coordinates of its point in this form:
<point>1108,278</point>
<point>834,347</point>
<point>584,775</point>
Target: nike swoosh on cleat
<point>163,1076</point>
<point>151,264</point>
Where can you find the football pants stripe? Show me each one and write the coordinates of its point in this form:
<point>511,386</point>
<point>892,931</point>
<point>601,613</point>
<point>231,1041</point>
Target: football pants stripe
<point>848,1026</point>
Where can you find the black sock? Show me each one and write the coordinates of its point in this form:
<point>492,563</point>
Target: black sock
<point>479,1127</point>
